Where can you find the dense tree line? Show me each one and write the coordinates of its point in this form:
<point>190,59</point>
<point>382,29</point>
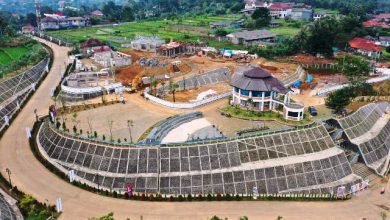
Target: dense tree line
<point>318,38</point>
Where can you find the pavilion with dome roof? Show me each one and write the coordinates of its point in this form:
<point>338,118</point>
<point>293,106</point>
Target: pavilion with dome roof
<point>257,87</point>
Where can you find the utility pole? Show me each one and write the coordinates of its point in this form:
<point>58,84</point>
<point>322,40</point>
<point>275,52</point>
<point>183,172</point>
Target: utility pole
<point>9,176</point>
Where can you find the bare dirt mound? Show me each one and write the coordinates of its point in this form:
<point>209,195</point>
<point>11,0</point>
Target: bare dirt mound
<point>127,74</point>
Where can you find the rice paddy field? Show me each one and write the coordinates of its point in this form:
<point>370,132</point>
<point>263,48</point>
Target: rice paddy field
<point>9,55</point>
<point>188,29</point>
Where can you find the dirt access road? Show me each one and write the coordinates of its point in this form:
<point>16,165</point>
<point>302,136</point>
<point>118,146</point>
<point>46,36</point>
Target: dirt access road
<point>33,178</point>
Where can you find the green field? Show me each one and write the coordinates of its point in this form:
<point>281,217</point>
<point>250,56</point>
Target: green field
<point>189,29</point>
<point>185,29</point>
<point>285,31</point>
<point>8,55</point>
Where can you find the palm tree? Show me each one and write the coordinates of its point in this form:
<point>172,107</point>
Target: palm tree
<point>173,87</point>
<point>163,87</point>
<point>153,84</point>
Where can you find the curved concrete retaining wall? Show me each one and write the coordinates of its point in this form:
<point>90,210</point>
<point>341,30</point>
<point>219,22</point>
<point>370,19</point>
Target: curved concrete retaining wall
<point>185,105</point>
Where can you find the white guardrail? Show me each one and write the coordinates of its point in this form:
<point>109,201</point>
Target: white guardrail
<point>334,88</point>
<point>184,105</point>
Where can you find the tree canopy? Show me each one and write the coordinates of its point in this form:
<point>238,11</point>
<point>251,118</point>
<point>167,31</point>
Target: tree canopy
<point>339,99</point>
<point>354,67</point>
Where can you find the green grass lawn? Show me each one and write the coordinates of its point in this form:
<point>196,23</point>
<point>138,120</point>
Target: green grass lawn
<point>258,115</point>
<point>328,11</point>
<point>285,31</point>
<point>8,55</point>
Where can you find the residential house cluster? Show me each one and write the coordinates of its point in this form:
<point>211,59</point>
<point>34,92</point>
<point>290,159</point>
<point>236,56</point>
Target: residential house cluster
<point>380,20</point>
<point>58,21</point>
<point>277,10</point>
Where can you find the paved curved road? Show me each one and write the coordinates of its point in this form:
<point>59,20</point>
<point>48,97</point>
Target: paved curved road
<point>33,178</point>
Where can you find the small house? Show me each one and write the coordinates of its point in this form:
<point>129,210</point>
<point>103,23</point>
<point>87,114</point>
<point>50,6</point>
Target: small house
<point>252,38</point>
<point>384,41</point>
<point>28,29</point>
<point>301,14</point>
<point>365,47</point>
<point>280,10</point>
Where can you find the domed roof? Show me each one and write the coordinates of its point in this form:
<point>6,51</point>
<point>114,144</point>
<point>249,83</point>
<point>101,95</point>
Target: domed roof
<point>257,79</point>
<point>257,73</point>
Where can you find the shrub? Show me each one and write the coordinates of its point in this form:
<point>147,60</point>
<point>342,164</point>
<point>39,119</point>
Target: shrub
<point>180,198</point>
<point>143,197</point>
<point>209,197</point>
<point>219,197</point>
<point>104,137</point>
<point>228,197</point>
<point>151,197</point>
<point>189,197</point>
<point>171,199</point>
<point>238,198</point>
<point>74,129</point>
<point>95,134</point>
<point>58,125</point>
<point>200,197</point>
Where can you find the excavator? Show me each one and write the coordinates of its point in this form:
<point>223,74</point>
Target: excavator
<point>134,84</point>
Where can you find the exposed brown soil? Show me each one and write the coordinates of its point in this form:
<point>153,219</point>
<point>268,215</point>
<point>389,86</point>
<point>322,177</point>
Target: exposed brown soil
<point>192,94</point>
<point>309,59</point>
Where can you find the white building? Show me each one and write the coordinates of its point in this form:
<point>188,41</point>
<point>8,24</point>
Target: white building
<point>258,89</point>
<point>146,43</point>
<point>384,41</point>
<point>280,10</point>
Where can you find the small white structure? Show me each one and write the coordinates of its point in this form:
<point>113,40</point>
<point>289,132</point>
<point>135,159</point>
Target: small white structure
<point>108,58</point>
<point>86,85</point>
<point>319,15</point>
<point>280,10</point>
<point>146,43</point>
<point>384,41</point>
<point>264,91</point>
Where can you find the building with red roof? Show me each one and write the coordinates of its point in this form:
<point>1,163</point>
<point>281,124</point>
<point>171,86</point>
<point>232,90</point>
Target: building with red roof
<point>28,29</point>
<point>365,47</point>
<point>97,14</point>
<point>385,16</point>
<point>280,10</point>
<point>380,20</point>
<point>375,23</point>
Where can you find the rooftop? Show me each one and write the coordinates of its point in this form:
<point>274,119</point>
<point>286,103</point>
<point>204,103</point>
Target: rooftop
<point>253,35</point>
<point>384,38</point>
<point>363,44</point>
<point>257,79</point>
<point>279,6</point>
<point>375,23</point>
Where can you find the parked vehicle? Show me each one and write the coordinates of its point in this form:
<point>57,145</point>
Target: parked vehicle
<point>313,111</point>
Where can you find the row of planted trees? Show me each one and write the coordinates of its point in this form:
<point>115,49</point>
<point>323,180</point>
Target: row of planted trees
<point>60,123</point>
